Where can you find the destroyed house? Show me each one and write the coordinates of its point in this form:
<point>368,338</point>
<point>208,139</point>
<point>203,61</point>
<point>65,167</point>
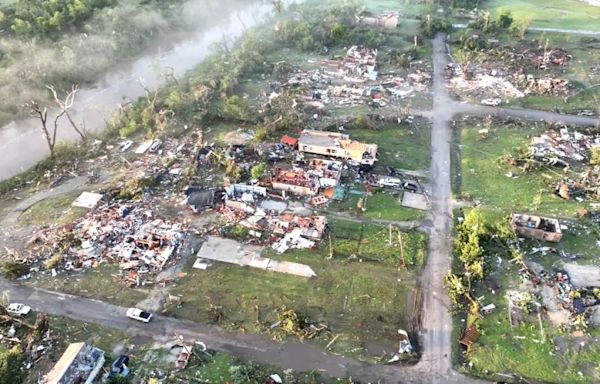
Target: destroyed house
<point>328,171</point>
<point>79,364</point>
<point>310,227</point>
<point>296,181</point>
<point>536,227</point>
<point>337,145</point>
<point>200,199</point>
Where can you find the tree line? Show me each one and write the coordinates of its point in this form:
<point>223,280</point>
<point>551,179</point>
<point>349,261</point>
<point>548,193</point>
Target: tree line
<point>49,18</point>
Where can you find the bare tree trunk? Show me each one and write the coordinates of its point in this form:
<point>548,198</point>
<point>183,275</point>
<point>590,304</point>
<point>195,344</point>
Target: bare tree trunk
<point>42,113</point>
<point>64,106</point>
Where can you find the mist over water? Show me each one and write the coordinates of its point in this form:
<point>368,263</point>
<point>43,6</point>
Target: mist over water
<point>21,142</point>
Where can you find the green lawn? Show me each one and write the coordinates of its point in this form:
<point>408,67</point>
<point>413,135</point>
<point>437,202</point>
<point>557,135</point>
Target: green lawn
<point>522,351</point>
<point>96,283</point>
<point>386,206</point>
<point>363,293</point>
<point>568,14</point>
<point>483,173</point>
<point>400,146</point>
<point>55,210</point>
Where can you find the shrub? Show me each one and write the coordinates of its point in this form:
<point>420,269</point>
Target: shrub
<point>430,26</point>
<point>504,19</point>
<point>258,171</point>
<point>13,269</point>
<point>53,261</point>
<point>10,366</point>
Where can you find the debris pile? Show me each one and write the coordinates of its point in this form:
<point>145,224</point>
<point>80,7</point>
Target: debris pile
<point>291,323</point>
<point>563,145</point>
<point>484,86</point>
<point>582,187</point>
<point>492,84</point>
<point>563,148</point>
<point>128,234</point>
<point>351,80</point>
<point>358,66</point>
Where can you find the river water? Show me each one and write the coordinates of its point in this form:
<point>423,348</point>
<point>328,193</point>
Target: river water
<point>21,142</point>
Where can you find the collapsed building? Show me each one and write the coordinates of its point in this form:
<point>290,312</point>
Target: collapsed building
<point>296,181</point>
<point>536,227</point>
<point>359,65</point>
<point>337,145</point>
<point>130,235</point>
<point>563,144</point>
<point>79,364</point>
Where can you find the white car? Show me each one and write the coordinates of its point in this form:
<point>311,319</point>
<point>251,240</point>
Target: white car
<point>18,309</point>
<point>388,181</point>
<point>138,314</point>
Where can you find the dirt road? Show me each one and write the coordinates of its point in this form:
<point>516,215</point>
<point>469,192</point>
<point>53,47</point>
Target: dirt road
<point>524,114</point>
<point>299,356</point>
<point>437,322</point>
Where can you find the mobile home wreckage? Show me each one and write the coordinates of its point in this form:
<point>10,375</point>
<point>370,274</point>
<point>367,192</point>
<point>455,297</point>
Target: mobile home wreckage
<point>337,145</point>
<point>536,227</point>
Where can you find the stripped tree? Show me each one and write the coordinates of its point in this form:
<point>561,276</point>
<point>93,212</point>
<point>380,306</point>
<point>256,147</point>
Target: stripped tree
<point>65,104</point>
<point>42,114</point>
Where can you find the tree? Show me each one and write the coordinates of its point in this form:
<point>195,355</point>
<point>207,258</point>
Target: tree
<point>67,103</point>
<point>42,114</point>
<point>10,366</point>
<point>430,26</point>
<point>504,18</point>
<point>13,269</point>
<point>233,171</point>
<point>248,373</point>
<point>456,288</point>
<point>258,171</point>
<point>520,26</point>
<point>118,379</point>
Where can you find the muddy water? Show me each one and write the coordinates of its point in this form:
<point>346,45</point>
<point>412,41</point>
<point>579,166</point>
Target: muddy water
<point>21,143</point>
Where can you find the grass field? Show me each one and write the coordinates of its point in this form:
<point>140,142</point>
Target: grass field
<point>525,352</point>
<point>567,14</point>
<point>96,283</point>
<point>56,210</point>
<point>483,173</point>
<point>399,146</point>
<point>363,293</point>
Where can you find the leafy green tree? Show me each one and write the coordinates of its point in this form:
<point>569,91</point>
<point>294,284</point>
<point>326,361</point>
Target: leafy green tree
<point>504,18</point>
<point>10,366</point>
<point>258,171</point>
<point>12,269</point>
<point>249,373</point>
<point>430,26</point>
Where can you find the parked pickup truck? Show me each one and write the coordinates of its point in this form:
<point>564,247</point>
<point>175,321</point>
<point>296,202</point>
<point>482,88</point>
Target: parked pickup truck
<point>18,309</point>
<point>138,314</point>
